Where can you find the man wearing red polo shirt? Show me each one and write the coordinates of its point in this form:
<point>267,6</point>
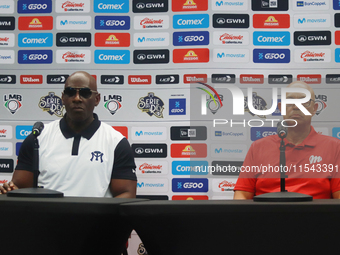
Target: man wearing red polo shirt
<point>313,160</point>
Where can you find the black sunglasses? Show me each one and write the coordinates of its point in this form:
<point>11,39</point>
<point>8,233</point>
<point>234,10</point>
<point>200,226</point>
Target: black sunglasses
<point>83,92</point>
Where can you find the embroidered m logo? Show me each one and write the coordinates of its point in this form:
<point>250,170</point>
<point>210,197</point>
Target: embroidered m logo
<point>314,159</point>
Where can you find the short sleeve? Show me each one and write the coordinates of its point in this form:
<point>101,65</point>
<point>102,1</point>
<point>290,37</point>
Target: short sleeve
<point>124,163</point>
<point>246,180</point>
<point>25,157</point>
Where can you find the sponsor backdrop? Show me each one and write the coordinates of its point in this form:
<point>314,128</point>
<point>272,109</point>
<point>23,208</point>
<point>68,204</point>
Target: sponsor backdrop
<point>146,55</point>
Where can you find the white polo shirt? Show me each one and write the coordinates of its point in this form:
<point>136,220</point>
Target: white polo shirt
<point>79,164</point>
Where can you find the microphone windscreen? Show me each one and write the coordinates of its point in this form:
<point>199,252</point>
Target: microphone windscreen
<point>281,130</point>
<point>37,128</point>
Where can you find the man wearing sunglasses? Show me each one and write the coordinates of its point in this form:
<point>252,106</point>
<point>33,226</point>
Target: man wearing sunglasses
<point>313,160</point>
<point>79,155</point>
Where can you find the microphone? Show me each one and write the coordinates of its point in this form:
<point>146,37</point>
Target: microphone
<point>281,130</point>
<point>37,128</point>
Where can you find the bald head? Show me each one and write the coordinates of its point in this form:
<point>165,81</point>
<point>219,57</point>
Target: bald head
<point>81,79</point>
<point>301,84</point>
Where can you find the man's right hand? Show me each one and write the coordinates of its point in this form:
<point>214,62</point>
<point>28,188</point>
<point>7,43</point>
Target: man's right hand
<point>7,187</point>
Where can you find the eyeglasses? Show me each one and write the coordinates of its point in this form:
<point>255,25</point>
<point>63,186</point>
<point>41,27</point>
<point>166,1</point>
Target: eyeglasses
<point>307,104</point>
<point>83,92</point>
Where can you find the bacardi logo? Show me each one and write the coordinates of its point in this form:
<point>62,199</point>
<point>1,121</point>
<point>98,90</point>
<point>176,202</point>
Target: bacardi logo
<point>13,102</point>
<point>113,103</point>
<point>52,104</point>
<point>152,105</point>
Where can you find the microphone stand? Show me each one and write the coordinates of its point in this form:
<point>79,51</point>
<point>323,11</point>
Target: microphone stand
<point>282,165</point>
<point>283,195</point>
<point>35,191</point>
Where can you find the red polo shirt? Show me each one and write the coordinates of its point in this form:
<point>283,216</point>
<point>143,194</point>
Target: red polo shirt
<point>313,167</point>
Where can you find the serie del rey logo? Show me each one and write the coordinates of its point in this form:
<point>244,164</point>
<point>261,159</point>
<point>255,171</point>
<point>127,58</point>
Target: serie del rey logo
<point>52,104</point>
<point>152,105</point>
<point>258,102</point>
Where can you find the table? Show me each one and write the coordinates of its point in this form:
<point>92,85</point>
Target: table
<point>68,225</point>
<point>236,227</point>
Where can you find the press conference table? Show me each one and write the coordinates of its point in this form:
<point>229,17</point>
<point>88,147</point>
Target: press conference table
<point>236,227</point>
<point>65,225</point>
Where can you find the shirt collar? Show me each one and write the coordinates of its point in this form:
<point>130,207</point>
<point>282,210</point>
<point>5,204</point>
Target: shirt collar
<point>309,141</point>
<point>87,133</point>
